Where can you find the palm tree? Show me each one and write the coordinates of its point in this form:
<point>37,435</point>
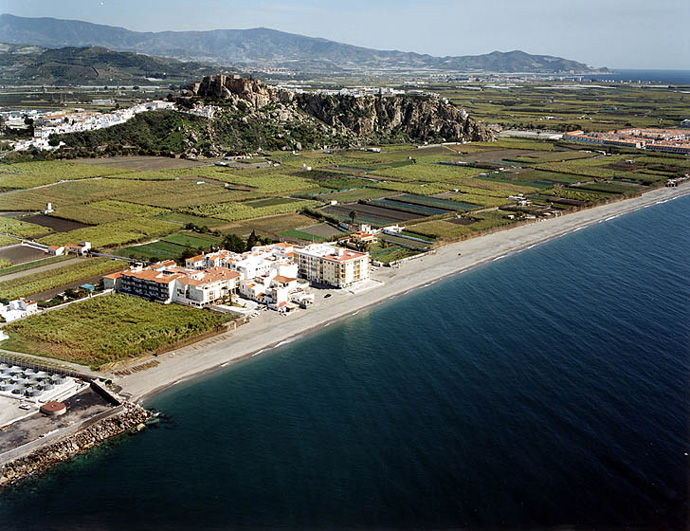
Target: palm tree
<point>353,216</point>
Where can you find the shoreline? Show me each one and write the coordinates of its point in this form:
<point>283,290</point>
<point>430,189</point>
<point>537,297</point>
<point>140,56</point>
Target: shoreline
<point>270,330</point>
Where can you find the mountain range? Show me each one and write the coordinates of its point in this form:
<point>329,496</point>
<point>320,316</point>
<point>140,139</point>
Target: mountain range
<point>264,48</point>
<point>35,65</point>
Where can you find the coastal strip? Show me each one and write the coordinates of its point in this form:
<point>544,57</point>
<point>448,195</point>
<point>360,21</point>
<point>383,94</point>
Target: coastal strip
<point>271,330</point>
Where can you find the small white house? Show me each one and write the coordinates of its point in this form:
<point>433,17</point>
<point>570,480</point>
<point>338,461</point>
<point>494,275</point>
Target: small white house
<point>18,309</point>
<point>81,249</point>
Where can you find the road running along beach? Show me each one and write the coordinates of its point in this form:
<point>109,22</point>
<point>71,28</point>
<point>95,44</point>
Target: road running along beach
<point>270,329</point>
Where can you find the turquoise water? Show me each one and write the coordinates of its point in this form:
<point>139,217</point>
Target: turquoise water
<point>548,388</point>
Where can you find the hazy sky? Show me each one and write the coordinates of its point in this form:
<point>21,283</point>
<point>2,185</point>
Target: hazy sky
<point>613,33</point>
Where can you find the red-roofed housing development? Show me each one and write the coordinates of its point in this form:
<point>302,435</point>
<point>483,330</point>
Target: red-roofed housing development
<point>166,282</point>
<point>669,140</point>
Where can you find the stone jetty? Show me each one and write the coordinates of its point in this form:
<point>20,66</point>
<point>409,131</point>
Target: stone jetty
<point>38,461</point>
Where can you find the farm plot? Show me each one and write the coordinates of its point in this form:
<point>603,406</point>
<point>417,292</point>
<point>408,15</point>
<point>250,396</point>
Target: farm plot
<point>171,246</point>
<point>144,163</point>
<point>20,254</point>
<point>160,250</point>
<point>370,214</point>
<point>51,224</point>
<point>352,196</point>
<point>70,193</point>
<point>428,172</point>
<point>412,208</point>
<point>31,174</point>
<point>240,211</point>
<point>180,194</point>
<point>21,228</point>
<point>301,236</point>
<point>31,284</point>
<point>602,168</point>
<point>105,211</point>
<point>187,219</point>
<point>317,233</point>
<point>266,181</point>
<point>269,226</point>
<point>449,230</point>
<point>114,233</point>
<point>543,178</point>
<point>193,240</point>
<point>85,332</point>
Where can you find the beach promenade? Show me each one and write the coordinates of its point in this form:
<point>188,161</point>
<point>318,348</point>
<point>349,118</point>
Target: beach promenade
<point>271,329</point>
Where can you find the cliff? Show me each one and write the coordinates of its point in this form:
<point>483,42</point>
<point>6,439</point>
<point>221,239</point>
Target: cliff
<point>222,115</point>
<point>360,119</point>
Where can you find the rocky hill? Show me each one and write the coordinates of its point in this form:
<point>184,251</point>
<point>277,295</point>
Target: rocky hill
<point>244,114</point>
<point>261,47</point>
<point>371,118</point>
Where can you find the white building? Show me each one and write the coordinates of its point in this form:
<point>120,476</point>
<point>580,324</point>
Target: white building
<point>267,274</point>
<point>262,260</point>
<point>18,309</point>
<point>166,282</point>
<point>331,265</point>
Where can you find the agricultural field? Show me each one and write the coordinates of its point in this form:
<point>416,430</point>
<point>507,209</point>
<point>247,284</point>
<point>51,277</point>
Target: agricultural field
<point>351,196</point>
<point>106,211</point>
<point>428,172</point>
<point>114,233</point>
<point>301,236</point>
<point>11,269</point>
<point>110,328</point>
<point>567,106</point>
<point>188,219</point>
<point>32,174</point>
<point>400,184</point>
<point>34,283</point>
<point>269,226</point>
<point>52,224</point>
<point>239,211</point>
<point>21,228</point>
<point>171,247</point>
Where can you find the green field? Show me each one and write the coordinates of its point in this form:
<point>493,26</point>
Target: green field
<point>34,283</point>
<point>186,219</point>
<point>31,174</point>
<point>171,247</point>
<point>559,106</point>
<point>108,329</point>
<point>8,270</point>
<point>114,233</point>
<point>304,236</point>
<point>128,207</point>
<point>21,228</point>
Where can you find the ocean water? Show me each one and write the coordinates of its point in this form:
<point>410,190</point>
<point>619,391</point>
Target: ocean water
<point>672,77</point>
<point>549,388</point>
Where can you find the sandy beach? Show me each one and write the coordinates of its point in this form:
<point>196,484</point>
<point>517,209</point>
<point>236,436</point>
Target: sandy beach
<point>271,329</point>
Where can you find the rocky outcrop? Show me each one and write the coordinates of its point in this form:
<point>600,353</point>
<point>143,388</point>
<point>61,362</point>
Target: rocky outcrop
<point>357,119</point>
<point>43,458</point>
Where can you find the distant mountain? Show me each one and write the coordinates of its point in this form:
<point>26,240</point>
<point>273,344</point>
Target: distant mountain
<point>261,47</point>
<point>34,65</point>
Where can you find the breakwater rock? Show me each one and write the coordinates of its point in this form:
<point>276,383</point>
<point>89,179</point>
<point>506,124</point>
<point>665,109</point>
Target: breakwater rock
<point>38,461</point>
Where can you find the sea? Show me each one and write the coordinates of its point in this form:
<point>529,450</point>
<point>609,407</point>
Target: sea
<point>549,389</point>
<point>665,77</point>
